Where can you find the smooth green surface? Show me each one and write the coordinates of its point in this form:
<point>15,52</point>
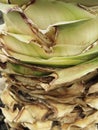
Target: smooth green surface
<point>84,2</point>
<point>70,74</point>
<point>57,12</point>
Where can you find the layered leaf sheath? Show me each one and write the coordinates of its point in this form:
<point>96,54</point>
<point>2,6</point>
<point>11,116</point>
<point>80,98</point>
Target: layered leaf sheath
<point>49,62</point>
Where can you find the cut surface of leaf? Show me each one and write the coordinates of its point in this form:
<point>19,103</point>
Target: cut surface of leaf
<point>20,3</point>
<point>5,8</point>
<point>77,36</point>
<point>87,2</point>
<point>66,76</point>
<point>52,8</point>
<point>14,26</point>
<point>55,61</point>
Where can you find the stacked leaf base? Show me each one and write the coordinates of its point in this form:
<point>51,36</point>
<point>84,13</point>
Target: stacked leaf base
<point>49,59</point>
<point>74,107</point>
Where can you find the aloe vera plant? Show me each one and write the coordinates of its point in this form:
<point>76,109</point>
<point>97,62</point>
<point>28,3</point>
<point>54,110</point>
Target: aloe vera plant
<point>49,60</point>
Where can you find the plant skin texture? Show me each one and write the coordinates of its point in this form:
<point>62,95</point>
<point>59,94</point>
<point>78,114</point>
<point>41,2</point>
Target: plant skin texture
<point>49,63</point>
